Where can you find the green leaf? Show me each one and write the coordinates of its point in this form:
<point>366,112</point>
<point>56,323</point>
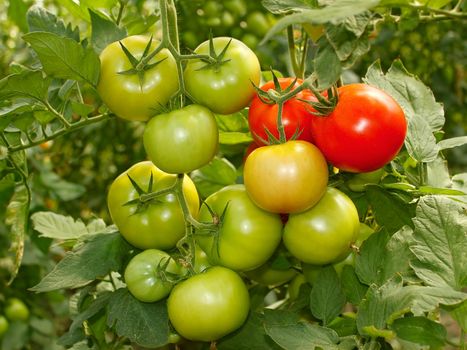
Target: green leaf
<point>96,305</point>
<point>41,20</point>
<point>145,324</point>
<point>104,31</point>
<point>459,313</point>
<point>344,326</point>
<point>437,174</point>
<point>286,329</point>
<point>236,122</point>
<point>56,226</point>
<point>65,58</point>
<point>251,335</point>
<point>391,212</point>
<point>65,190</point>
<point>234,138</point>
<point>327,298</point>
<point>420,330</point>
<point>382,256</point>
<point>30,84</point>
<point>452,142</point>
<point>420,141</point>
<point>17,13</point>
<point>214,176</point>
<point>279,7</point>
<point>354,290</point>
<point>98,256</point>
<point>327,66</point>
<point>440,242</point>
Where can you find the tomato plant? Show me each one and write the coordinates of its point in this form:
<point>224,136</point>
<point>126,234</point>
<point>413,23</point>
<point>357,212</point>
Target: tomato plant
<point>148,275</point>
<point>243,228</point>
<point>4,324</point>
<point>224,86</point>
<point>158,223</point>
<point>16,310</point>
<point>209,305</point>
<point>182,140</point>
<point>324,233</point>
<point>296,117</point>
<point>286,178</point>
<point>270,276</point>
<point>364,132</point>
<point>136,91</point>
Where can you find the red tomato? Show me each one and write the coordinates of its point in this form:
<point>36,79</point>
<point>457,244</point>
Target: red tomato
<point>365,131</point>
<point>295,114</point>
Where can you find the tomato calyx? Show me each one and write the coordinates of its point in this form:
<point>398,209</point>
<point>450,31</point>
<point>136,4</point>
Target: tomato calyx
<point>141,65</point>
<point>214,61</point>
<point>325,104</point>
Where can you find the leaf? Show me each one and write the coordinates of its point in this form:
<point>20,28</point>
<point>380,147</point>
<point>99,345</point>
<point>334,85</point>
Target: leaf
<point>65,190</point>
<point>382,256</point>
<point>96,305</point>
<point>236,122</point>
<point>440,242</point>
<point>17,13</point>
<point>65,58</point>
<point>104,31</point>
<point>327,66</point>
<point>452,142</point>
<point>145,324</point>
<point>55,226</point>
<point>214,176</point>
<point>251,335</point>
<point>234,138</point>
<point>351,285</point>
<point>327,298</point>
<point>459,313</point>
<point>420,330</point>
<point>420,141</point>
<point>437,174</point>
<point>286,329</point>
<point>30,84</point>
<point>41,20</point>
<point>391,212</point>
<point>279,7</point>
<point>98,256</point>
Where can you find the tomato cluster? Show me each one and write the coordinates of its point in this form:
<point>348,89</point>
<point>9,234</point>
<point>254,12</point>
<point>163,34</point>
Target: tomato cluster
<point>202,259</point>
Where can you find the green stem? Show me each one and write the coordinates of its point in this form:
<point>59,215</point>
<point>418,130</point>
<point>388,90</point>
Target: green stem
<point>454,13</point>
<point>172,25</point>
<point>120,12</point>
<point>303,56</point>
<point>56,113</point>
<point>280,125</point>
<point>292,52</point>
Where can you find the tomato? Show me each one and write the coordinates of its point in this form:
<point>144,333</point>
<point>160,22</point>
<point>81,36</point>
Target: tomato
<point>257,23</point>
<point>323,234</point>
<point>182,140</point>
<point>294,286</point>
<point>227,87</point>
<point>286,178</point>
<point>143,275</point>
<point>161,223</point>
<point>4,325</point>
<point>296,116</point>
<point>125,94</point>
<point>365,131</point>
<point>16,310</point>
<point>209,305</point>
<point>248,236</point>
<point>269,276</point>
<point>358,182</point>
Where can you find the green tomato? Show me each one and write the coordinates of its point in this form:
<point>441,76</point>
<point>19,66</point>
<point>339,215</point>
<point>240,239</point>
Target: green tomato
<point>237,8</point>
<point>4,324</point>
<point>323,234</point>
<point>248,236</point>
<point>294,286</point>
<point>269,276</point>
<point>209,305</point>
<point>359,180</point>
<point>201,260</point>
<point>257,23</point>
<point>128,96</point>
<point>144,275</point>
<point>182,140</point>
<point>227,87</point>
<point>160,224</point>
<point>16,310</point>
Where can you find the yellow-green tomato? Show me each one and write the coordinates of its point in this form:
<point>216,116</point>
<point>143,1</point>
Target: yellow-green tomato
<point>136,96</point>
<point>323,234</point>
<point>225,87</point>
<point>209,305</point>
<point>270,276</point>
<point>182,140</point>
<point>358,181</point>
<point>248,236</point>
<point>159,223</point>
<point>16,310</point>
<point>294,286</point>
<point>4,324</point>
<point>144,275</point>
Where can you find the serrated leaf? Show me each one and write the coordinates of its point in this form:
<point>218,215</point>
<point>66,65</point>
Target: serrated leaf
<point>97,257</point>
<point>353,288</point>
<point>421,330</point>
<point>214,176</point>
<point>327,298</point>
<point>65,58</point>
<point>286,329</point>
<point>30,84</point>
<point>145,324</point>
<point>440,242</point>
<point>327,65</point>
<point>41,20</point>
<point>104,31</point>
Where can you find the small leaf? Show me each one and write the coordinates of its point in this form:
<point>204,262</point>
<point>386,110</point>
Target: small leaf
<point>65,58</point>
<point>104,31</point>
<point>327,65</point>
<point>41,20</point>
<point>145,324</point>
<point>30,84</point>
<point>452,142</point>
<point>421,330</point>
<point>65,190</point>
<point>353,288</point>
<point>214,176</point>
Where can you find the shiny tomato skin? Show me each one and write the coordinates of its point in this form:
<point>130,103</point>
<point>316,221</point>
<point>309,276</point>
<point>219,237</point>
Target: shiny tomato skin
<point>323,234</point>
<point>123,93</point>
<point>365,131</point>
<point>228,88</point>
<point>143,279</point>
<point>295,114</point>
<point>209,305</point>
<point>161,224</point>
<point>182,140</point>
<point>248,235</point>
<point>286,178</point>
